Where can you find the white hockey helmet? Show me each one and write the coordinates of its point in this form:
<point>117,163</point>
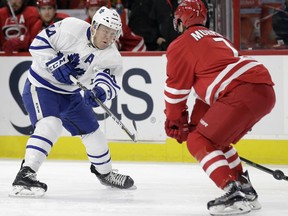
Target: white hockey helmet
<point>107,17</point>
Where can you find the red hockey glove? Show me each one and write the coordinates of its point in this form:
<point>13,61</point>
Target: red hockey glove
<point>178,129</point>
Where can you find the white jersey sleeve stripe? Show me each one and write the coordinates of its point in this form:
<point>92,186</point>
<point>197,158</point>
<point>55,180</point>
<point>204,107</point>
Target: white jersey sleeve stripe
<point>177,91</point>
<point>175,101</point>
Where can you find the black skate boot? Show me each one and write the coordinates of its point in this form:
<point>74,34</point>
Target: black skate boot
<point>114,179</point>
<point>249,191</point>
<point>26,184</point>
<point>233,202</point>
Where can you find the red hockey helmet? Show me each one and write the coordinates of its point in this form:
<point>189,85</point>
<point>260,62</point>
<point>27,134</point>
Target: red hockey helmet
<point>190,12</point>
<point>98,3</point>
<point>41,3</point>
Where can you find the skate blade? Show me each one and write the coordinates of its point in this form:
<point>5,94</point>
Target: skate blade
<point>134,187</point>
<point>21,191</point>
<point>255,205</point>
<point>238,208</point>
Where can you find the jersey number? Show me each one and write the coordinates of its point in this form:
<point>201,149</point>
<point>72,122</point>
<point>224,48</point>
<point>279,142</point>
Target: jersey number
<point>235,52</point>
<point>50,31</point>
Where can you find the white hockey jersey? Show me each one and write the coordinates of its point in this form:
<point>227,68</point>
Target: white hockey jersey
<point>71,37</point>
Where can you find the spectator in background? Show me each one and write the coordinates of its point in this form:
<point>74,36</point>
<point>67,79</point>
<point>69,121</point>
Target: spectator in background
<point>48,13</point>
<point>163,13</point>
<point>31,2</point>
<point>280,26</point>
<point>16,23</point>
<point>140,22</point>
<point>128,41</point>
<point>91,7</point>
<point>71,4</point>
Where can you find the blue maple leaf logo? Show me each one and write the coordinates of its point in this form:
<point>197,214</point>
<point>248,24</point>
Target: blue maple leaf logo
<point>74,59</point>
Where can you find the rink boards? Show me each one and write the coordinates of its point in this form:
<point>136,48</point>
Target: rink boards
<point>141,99</point>
<point>71,148</point>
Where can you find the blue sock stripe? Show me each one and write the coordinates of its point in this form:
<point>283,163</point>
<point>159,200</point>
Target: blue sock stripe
<point>99,156</point>
<point>37,148</point>
<point>102,162</point>
<point>43,139</point>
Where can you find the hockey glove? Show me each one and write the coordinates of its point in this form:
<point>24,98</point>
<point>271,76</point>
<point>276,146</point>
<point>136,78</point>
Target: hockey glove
<point>178,129</point>
<point>96,92</point>
<point>61,69</point>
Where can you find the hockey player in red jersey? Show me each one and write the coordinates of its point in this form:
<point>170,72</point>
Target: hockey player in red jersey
<point>48,15</point>
<point>128,41</point>
<point>16,22</point>
<point>233,93</point>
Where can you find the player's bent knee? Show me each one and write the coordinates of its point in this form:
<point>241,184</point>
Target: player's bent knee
<point>49,127</point>
<point>198,145</point>
<point>94,139</point>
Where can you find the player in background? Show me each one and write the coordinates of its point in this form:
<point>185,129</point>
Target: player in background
<point>128,41</point>
<point>47,10</point>
<point>16,22</point>
<point>233,93</point>
<point>71,47</point>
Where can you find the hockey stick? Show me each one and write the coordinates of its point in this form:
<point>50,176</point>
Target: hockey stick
<point>14,18</point>
<point>108,111</point>
<point>277,174</point>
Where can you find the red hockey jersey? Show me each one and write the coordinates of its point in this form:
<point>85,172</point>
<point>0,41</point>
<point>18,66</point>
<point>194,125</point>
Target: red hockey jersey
<point>204,60</point>
<point>40,25</point>
<point>22,27</point>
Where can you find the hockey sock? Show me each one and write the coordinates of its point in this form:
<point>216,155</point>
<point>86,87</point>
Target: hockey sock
<point>212,160</point>
<point>98,151</point>
<point>233,160</point>
<point>38,146</point>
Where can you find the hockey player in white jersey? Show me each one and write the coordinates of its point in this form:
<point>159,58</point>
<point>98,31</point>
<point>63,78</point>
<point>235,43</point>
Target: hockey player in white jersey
<point>87,52</point>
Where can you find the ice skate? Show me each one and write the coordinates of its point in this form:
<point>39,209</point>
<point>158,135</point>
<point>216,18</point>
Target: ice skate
<point>249,191</point>
<point>26,184</point>
<point>114,180</point>
<point>233,202</point>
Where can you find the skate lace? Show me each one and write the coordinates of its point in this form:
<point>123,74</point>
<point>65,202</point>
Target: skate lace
<point>228,190</point>
<point>31,176</point>
<point>115,178</point>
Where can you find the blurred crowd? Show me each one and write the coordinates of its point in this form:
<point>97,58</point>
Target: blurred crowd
<point>264,24</point>
<point>147,24</point>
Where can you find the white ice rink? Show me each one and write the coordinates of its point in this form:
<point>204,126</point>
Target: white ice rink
<point>163,189</point>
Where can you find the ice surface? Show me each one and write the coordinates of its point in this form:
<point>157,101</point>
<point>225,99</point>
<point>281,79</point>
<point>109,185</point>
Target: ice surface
<point>170,189</point>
